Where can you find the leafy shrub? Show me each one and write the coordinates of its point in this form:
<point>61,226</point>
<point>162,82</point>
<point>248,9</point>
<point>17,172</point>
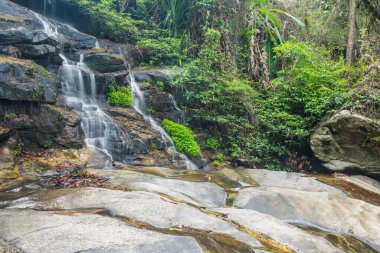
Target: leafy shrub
<point>183,138</point>
<point>9,116</point>
<point>162,51</point>
<point>119,96</point>
<point>212,144</point>
<point>113,25</point>
<point>309,85</point>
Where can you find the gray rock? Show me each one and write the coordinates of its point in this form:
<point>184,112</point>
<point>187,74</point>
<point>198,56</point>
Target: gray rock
<point>197,193</point>
<point>105,62</point>
<point>364,182</point>
<point>154,75</point>
<point>7,248</point>
<point>348,142</point>
<point>323,210</point>
<point>77,39</point>
<point>289,180</point>
<point>10,51</point>
<point>36,231</point>
<point>104,79</point>
<point>22,80</point>
<point>38,51</point>
<point>15,36</point>
<point>163,105</point>
<point>150,208</point>
<point>281,232</point>
<point>143,136</point>
<point>41,125</point>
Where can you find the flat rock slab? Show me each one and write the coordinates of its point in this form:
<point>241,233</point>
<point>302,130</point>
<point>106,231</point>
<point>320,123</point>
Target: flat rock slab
<point>323,210</point>
<point>42,231</point>
<point>365,183</point>
<point>197,193</point>
<point>145,207</point>
<point>290,180</point>
<point>280,231</point>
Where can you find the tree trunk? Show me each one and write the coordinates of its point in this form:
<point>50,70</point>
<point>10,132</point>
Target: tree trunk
<point>351,33</point>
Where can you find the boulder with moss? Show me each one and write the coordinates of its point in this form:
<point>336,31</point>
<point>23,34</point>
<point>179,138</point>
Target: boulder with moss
<point>23,80</point>
<point>348,142</point>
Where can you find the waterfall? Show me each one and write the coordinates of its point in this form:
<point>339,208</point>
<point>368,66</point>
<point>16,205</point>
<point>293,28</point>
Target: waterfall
<point>101,131</point>
<point>174,103</point>
<point>49,29</point>
<point>140,106</point>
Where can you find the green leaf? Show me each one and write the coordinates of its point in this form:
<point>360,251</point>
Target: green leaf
<point>290,16</point>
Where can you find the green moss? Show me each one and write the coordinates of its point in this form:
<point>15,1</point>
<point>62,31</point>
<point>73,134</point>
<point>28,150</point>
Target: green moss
<point>9,116</point>
<point>212,143</point>
<point>119,96</point>
<point>183,138</point>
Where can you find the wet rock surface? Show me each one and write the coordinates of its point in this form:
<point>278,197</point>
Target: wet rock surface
<point>105,62</point>
<point>278,230</point>
<point>186,211</point>
<point>332,212</point>
<point>197,193</point>
<point>56,232</point>
<point>289,180</point>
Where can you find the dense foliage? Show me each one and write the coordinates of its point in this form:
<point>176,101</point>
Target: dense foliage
<point>255,79</point>
<point>183,138</point>
<point>119,95</point>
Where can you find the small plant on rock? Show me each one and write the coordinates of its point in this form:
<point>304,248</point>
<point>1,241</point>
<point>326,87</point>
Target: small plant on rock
<point>212,144</point>
<point>183,138</point>
<point>119,96</point>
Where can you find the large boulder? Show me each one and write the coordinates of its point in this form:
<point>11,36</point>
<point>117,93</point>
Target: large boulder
<point>78,39</point>
<point>104,62</point>
<point>22,80</point>
<point>38,51</point>
<point>42,125</point>
<point>348,142</point>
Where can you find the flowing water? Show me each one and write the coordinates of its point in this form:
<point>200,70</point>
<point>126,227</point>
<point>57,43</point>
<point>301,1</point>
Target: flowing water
<point>50,29</point>
<point>101,131</point>
<point>174,103</point>
<point>140,106</point>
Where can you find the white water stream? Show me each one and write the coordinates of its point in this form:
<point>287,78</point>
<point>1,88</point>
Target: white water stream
<point>101,131</point>
<point>140,106</point>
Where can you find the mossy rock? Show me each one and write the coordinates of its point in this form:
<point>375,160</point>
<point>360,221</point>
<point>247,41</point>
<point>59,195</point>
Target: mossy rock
<point>22,80</point>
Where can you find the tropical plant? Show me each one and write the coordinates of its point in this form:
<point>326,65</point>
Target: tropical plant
<point>183,138</point>
<point>119,96</point>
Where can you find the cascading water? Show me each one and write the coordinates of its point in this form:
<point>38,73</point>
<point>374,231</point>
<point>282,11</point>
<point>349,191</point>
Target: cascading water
<point>140,106</point>
<point>101,131</point>
<point>174,103</point>
<point>49,29</point>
